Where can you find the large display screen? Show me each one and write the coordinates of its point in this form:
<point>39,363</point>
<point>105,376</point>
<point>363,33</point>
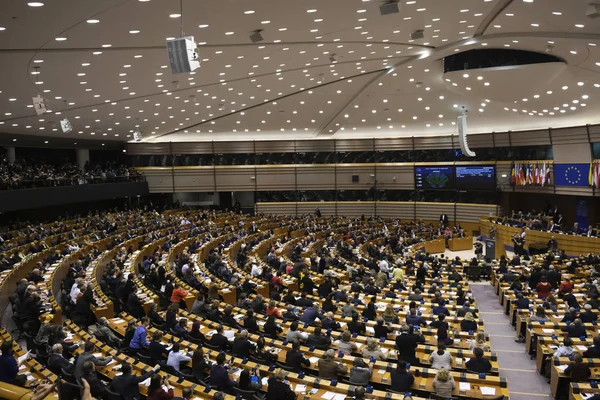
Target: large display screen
<point>434,177</point>
<point>473,177</point>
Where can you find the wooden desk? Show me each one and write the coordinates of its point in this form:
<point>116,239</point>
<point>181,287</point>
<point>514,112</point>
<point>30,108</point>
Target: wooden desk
<point>435,246</point>
<point>458,244</point>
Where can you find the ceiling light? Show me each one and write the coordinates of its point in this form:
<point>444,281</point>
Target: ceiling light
<point>60,38</point>
<point>35,4</point>
<point>312,10</point>
<point>203,26</point>
<point>265,22</point>
<point>2,28</point>
<point>92,21</point>
<point>174,15</point>
<point>133,32</point>
<point>249,12</point>
<point>579,26</point>
<point>229,33</point>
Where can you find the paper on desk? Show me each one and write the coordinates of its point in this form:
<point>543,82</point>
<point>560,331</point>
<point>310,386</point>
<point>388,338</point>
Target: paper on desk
<point>562,367</point>
<point>381,371</point>
<point>313,360</point>
<point>370,329</point>
<point>146,382</point>
<point>488,391</point>
<point>582,348</point>
<point>111,362</point>
<point>229,334</point>
<point>339,396</point>
<point>265,381</point>
<point>328,395</point>
<point>464,386</point>
<point>30,378</point>
<point>548,330</point>
<point>97,355</point>
<point>118,320</point>
<point>586,395</point>
<point>300,388</point>
<point>23,357</point>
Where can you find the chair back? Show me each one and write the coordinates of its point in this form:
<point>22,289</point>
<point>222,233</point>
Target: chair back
<point>69,391</point>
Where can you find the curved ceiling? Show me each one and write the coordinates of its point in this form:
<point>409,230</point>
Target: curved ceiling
<point>334,68</point>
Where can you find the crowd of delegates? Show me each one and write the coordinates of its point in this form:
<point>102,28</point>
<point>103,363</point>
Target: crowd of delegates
<point>550,220</point>
<point>388,266</point>
<point>546,282</point>
<point>25,173</point>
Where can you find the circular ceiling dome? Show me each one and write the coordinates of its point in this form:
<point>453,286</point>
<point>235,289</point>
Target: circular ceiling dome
<point>501,75</point>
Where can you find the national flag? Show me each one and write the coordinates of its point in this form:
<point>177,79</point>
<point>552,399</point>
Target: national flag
<point>512,174</point>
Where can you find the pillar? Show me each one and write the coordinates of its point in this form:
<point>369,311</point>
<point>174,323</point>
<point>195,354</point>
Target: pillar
<point>83,156</point>
<point>10,155</point>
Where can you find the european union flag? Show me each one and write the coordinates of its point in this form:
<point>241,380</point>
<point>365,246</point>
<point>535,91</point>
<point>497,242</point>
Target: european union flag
<point>571,174</point>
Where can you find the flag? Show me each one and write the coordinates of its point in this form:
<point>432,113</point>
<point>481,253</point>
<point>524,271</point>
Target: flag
<point>571,174</point>
<point>512,175</point>
<point>594,177</point>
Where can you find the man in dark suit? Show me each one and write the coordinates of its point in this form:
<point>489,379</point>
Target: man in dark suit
<point>219,377</point>
<point>319,340</point>
<point>406,343</point>
<point>402,380</point>
<point>56,361</point>
<point>553,276</point>
<point>552,227</point>
<point>575,330</point>
<point>444,220</point>
<point>97,387</point>
<point>590,232</point>
<point>219,340</point>
<point>127,385</point>
<point>242,346</point>
<point>478,363</point>
<point>295,359</point>
<point>593,351</point>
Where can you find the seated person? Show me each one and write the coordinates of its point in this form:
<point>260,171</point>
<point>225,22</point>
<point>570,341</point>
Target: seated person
<point>478,364</point>
<point>402,380</point>
<point>295,359</point>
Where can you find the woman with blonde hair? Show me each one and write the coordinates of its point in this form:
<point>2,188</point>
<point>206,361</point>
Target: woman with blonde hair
<point>444,384</point>
<point>346,346</point>
<point>468,324</point>
<point>389,315</point>
<point>373,350</point>
<point>479,342</point>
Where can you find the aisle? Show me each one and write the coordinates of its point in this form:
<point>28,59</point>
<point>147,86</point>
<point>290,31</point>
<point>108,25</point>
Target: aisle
<point>524,383</point>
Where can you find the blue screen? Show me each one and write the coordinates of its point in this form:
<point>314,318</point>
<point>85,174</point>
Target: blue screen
<point>434,177</point>
<point>476,177</point>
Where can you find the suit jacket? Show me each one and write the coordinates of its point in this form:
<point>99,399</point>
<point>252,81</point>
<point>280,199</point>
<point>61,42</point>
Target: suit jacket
<point>83,357</point>
<point>219,340</point>
<point>57,361</point>
<point>127,385</point>
<point>242,347</point>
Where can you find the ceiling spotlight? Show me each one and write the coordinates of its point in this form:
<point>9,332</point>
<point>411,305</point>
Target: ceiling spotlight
<point>549,48</point>
<point>256,37</point>
<point>389,7</point>
<point>593,11</point>
<point>332,58</point>
<point>418,34</point>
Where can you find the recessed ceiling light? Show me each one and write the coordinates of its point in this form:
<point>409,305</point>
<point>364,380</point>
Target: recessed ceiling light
<point>203,26</point>
<point>106,45</point>
<point>556,13</point>
<point>249,12</point>
<point>60,38</point>
<point>174,15</point>
<point>229,33</point>
<point>92,21</point>
<point>265,22</point>
<point>579,25</point>
<point>2,28</point>
<point>35,4</point>
<point>133,32</point>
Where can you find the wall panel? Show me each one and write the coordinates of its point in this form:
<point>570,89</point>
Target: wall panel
<point>316,177</point>
<point>433,143</point>
<point>432,211</point>
<point>356,208</point>
<point>199,179</point>
<point>192,148</point>
<point>275,146</point>
<point>327,208</point>
<point>530,138</point>
<point>396,144</point>
<point>160,179</point>
<point>401,210</point>
<point>569,135</point>
<point>232,178</point>
<point>276,177</point>
<point>395,177</point>
<point>344,173</point>
<point>314,146</point>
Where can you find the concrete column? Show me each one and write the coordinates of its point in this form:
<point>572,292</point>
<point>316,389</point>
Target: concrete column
<point>83,156</point>
<point>10,154</point>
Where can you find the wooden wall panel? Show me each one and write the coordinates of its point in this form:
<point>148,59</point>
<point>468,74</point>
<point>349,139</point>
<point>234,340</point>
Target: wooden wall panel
<point>199,179</point>
<point>473,212</point>
<point>395,177</point>
<point>327,208</point>
<point>356,208</point>
<point>434,143</point>
<point>192,147</point>
<point>402,210</point>
<point>275,177</point>
<point>395,144</point>
<point>316,177</point>
<point>344,173</point>
<point>160,180</point>
<point>569,135</point>
<point>136,149</point>
<point>432,211</point>
<point>314,146</point>
<point>275,146</point>
<point>235,178</point>
<point>530,138</point>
